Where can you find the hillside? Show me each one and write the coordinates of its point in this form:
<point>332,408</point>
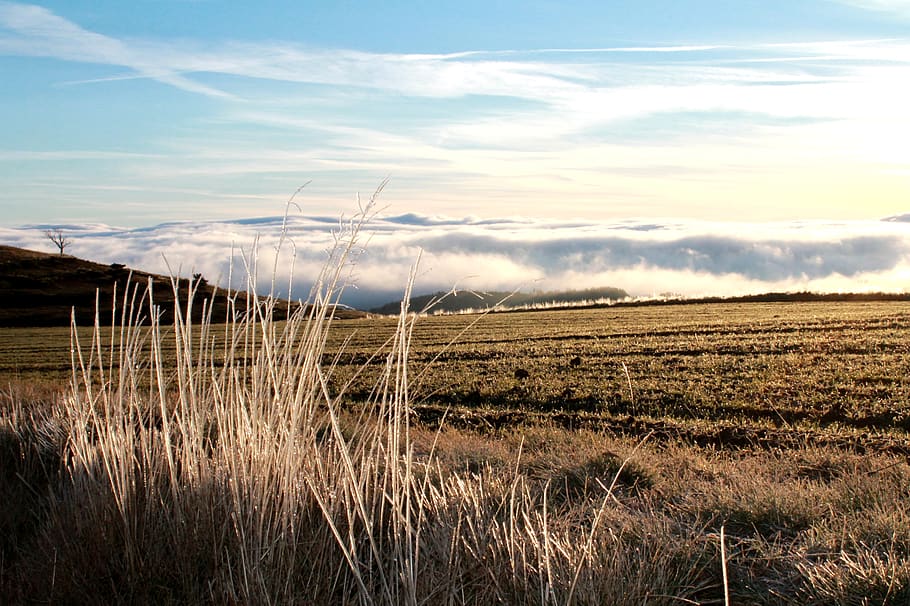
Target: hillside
<point>41,289</point>
<point>465,300</point>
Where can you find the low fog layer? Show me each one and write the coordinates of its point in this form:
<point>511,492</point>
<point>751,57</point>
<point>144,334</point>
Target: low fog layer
<point>643,257</point>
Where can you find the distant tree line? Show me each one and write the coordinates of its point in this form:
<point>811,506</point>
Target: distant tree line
<point>447,302</point>
<point>777,297</point>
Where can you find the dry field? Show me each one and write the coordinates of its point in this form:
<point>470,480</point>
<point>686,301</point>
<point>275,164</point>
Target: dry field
<point>686,454</point>
<point>759,370</point>
<point>768,374</point>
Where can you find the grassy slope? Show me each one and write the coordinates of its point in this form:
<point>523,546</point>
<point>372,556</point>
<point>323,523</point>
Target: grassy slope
<point>42,289</point>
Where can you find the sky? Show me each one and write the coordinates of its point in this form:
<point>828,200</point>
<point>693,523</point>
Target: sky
<point>699,147</point>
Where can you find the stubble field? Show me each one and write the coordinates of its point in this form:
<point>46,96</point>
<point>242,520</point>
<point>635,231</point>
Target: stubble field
<point>772,375</point>
<point>823,369</point>
<point>683,454</point>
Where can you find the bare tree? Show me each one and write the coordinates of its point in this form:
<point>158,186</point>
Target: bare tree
<point>56,236</point>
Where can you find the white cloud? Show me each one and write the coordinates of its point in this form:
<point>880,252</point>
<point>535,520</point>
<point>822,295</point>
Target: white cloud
<point>643,257</point>
<point>599,85</point>
<point>75,154</point>
<point>896,7</point>
<point>35,31</point>
<point>599,132</point>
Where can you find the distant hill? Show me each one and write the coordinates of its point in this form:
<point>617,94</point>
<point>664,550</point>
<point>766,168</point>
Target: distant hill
<point>465,300</point>
<point>775,297</point>
<point>593,298</point>
<point>41,289</point>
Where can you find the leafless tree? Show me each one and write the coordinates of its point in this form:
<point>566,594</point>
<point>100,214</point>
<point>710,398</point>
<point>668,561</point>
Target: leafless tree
<point>56,236</point>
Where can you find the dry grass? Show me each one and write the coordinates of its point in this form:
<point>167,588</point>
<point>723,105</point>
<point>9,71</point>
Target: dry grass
<point>241,472</point>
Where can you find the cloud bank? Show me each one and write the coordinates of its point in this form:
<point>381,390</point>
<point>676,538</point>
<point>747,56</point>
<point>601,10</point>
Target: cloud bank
<point>692,258</point>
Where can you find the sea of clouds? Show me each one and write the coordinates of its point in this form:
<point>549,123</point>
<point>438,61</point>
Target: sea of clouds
<point>644,257</point>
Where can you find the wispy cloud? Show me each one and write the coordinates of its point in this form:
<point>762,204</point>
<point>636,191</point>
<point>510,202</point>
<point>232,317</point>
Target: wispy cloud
<point>895,7</point>
<point>597,131</point>
<point>35,31</point>
<point>75,154</point>
<point>616,88</point>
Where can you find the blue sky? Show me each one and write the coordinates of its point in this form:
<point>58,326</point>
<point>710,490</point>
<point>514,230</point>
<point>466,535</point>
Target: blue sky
<point>135,114</point>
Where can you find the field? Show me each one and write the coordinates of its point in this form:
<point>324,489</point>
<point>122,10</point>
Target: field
<point>772,374</point>
<point>656,454</point>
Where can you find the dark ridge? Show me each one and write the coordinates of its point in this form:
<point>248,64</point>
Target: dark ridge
<point>770,297</point>
<point>448,302</point>
<point>41,289</point>
<point>773,297</point>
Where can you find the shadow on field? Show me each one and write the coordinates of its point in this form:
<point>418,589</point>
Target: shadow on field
<point>67,537</point>
<point>29,466</point>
